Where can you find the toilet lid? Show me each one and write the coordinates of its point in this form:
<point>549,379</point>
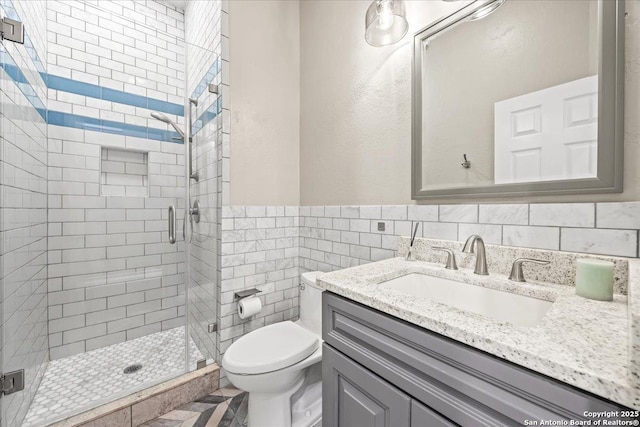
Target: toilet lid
<point>270,348</point>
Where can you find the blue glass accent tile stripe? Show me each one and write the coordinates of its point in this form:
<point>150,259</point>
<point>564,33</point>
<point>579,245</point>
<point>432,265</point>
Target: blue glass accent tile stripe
<point>13,71</point>
<point>72,86</point>
<point>88,123</point>
<point>208,115</point>
<point>94,91</point>
<point>75,121</point>
<point>86,89</point>
<point>211,73</point>
<point>99,92</point>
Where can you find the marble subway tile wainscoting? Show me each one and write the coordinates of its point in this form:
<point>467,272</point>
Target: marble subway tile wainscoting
<point>259,250</point>
<point>334,237</point>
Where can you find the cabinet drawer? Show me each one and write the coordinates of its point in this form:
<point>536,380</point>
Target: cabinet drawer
<point>466,385</point>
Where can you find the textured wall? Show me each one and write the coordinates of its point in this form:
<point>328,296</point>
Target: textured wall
<point>23,208</point>
<point>356,113</point>
<point>265,102</point>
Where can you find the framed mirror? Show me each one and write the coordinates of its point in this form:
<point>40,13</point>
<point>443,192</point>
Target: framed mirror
<point>517,98</point>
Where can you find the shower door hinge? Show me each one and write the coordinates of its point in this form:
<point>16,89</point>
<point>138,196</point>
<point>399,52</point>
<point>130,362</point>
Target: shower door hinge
<point>11,30</point>
<point>11,382</point>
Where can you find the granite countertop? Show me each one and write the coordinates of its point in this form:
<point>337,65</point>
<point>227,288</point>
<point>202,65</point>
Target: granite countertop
<point>588,344</point>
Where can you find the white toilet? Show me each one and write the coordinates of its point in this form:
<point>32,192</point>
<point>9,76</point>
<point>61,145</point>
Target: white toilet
<point>279,365</point>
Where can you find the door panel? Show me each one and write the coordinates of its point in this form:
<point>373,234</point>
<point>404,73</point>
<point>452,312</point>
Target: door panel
<point>356,397</point>
<point>548,135</point>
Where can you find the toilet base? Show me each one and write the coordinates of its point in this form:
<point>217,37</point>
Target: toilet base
<point>299,406</point>
<point>307,410</point>
<point>271,409</point>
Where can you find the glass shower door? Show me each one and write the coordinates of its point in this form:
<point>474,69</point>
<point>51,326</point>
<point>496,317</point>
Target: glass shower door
<point>202,249</point>
<point>95,302</point>
<point>23,225</point>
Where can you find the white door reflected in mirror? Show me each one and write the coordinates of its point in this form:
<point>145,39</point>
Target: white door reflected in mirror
<point>548,135</point>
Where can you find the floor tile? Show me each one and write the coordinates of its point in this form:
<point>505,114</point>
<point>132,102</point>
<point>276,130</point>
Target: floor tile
<point>224,408</point>
<point>180,415</point>
<point>83,380</point>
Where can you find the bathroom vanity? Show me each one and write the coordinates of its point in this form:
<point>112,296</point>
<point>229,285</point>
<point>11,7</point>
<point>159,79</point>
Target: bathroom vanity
<point>393,358</point>
<point>381,371</point>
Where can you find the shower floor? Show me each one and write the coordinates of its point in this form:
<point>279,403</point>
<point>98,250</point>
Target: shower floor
<point>82,380</point>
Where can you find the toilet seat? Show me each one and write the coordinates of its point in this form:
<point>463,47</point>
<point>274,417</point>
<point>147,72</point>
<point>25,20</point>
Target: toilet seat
<point>270,348</point>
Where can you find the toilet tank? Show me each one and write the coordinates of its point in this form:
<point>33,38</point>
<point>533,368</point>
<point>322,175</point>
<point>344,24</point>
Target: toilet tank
<point>311,302</point>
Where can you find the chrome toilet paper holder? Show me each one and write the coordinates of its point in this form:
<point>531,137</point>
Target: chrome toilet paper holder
<point>245,293</point>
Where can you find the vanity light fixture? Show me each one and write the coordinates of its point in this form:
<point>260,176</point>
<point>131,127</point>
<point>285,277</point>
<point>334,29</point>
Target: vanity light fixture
<point>486,10</point>
<point>385,22</point>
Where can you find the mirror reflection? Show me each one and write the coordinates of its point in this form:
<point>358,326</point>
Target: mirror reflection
<point>511,96</point>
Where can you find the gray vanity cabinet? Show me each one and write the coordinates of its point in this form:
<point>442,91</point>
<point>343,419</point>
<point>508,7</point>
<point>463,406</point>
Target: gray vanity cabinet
<point>422,416</point>
<point>362,398</point>
<point>381,371</point>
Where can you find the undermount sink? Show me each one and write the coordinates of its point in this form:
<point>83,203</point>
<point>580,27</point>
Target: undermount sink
<point>516,309</point>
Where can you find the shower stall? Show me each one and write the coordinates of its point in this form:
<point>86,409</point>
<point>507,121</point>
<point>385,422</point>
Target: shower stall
<point>110,143</point>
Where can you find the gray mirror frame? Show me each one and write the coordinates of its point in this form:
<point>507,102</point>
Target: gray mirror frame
<point>610,115</point>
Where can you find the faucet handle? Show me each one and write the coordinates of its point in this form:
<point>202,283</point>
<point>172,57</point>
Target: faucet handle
<point>517,275</point>
<point>451,257</point>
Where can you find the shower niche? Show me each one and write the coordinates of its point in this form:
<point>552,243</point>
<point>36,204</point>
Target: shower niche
<point>124,172</point>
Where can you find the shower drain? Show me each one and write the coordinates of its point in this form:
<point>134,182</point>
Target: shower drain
<point>132,368</point>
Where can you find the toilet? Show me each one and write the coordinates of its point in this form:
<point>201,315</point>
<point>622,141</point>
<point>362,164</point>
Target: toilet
<point>279,366</point>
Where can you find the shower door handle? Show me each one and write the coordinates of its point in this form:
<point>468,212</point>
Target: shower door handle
<point>172,224</point>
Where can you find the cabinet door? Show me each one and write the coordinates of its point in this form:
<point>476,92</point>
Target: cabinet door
<point>421,416</point>
<point>355,397</point>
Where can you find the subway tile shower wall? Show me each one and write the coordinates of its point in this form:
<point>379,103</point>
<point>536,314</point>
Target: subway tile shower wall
<point>113,276</point>
<point>115,61</point>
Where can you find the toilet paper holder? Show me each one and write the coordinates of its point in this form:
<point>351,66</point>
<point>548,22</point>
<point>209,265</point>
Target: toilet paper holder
<point>245,293</point>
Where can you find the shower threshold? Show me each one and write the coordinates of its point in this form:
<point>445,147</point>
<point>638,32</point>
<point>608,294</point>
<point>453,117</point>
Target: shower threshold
<point>82,381</point>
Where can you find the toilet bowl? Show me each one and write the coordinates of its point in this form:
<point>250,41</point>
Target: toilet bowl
<point>278,364</point>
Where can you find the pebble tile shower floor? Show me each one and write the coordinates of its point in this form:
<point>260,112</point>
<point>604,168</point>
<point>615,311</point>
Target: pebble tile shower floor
<point>74,383</point>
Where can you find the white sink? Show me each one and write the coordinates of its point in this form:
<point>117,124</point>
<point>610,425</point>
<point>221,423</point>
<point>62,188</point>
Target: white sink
<point>505,306</point>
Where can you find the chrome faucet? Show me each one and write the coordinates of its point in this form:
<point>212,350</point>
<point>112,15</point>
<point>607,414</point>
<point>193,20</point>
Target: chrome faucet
<point>481,255</point>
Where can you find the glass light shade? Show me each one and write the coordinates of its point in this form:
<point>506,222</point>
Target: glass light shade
<point>385,22</point>
<point>485,11</point>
